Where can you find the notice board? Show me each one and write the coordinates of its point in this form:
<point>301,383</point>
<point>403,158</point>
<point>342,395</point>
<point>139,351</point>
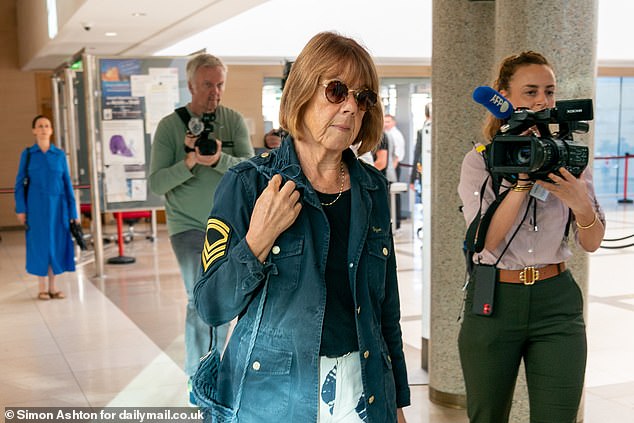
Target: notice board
<point>135,94</point>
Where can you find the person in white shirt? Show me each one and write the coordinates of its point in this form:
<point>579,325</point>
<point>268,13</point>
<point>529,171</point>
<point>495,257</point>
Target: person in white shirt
<point>396,142</point>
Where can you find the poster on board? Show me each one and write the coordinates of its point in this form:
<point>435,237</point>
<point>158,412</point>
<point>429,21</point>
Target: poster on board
<point>124,142</point>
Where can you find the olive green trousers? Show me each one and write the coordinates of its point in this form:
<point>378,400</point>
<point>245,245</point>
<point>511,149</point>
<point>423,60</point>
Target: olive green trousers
<point>541,324</point>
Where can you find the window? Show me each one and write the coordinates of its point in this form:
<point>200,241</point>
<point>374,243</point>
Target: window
<point>614,134</point>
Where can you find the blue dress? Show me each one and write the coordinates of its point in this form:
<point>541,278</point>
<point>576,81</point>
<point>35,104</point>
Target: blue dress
<point>49,208</point>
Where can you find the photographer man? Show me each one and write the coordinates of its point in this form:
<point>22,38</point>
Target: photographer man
<point>188,179</point>
<point>533,310</point>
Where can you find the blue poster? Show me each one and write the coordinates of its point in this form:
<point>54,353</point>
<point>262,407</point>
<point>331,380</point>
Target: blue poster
<point>115,76</point>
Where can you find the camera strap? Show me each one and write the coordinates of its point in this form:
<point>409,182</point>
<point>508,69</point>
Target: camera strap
<point>183,114</point>
<point>531,201</point>
<point>567,230</point>
<point>185,117</point>
<point>477,230</point>
<point>476,233</point>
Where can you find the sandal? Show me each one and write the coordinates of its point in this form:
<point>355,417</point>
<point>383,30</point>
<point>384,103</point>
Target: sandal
<point>43,296</point>
<point>57,295</point>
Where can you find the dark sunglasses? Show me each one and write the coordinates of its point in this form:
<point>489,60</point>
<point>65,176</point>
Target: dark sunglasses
<point>337,92</point>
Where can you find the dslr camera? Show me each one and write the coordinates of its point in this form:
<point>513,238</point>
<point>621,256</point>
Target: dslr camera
<point>511,153</point>
<point>203,128</point>
<point>279,133</point>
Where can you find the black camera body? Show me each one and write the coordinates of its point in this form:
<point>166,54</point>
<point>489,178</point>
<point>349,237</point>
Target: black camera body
<point>511,153</point>
<point>203,128</point>
<point>279,133</point>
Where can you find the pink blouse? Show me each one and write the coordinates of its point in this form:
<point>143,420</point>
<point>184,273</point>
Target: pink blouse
<point>540,241</point>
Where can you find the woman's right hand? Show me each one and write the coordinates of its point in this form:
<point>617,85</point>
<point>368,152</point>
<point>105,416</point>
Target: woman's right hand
<point>275,211</point>
<point>21,218</point>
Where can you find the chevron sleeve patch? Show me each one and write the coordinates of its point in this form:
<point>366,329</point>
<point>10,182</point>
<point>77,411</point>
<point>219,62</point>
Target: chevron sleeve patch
<point>216,242</point>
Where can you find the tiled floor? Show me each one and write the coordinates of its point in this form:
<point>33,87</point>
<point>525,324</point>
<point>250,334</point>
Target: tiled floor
<point>119,341</point>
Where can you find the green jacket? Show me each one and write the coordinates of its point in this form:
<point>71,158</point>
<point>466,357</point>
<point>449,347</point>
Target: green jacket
<point>189,194</point>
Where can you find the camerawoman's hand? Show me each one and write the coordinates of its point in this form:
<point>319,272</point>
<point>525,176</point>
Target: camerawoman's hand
<point>570,190</point>
<point>275,211</point>
<point>573,192</point>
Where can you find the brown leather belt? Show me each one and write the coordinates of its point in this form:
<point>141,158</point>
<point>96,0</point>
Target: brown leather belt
<point>530,274</point>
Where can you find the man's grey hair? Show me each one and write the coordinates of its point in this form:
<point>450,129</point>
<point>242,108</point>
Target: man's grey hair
<point>203,60</point>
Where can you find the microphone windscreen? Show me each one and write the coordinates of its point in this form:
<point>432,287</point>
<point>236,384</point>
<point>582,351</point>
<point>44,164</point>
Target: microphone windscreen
<point>495,102</point>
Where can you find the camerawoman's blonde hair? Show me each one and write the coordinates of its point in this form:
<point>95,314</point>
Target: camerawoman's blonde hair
<point>329,53</point>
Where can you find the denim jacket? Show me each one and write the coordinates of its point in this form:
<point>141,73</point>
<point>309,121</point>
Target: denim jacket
<point>282,377</point>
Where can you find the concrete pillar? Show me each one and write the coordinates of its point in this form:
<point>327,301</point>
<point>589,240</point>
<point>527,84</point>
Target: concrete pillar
<point>470,38</point>
<point>462,58</point>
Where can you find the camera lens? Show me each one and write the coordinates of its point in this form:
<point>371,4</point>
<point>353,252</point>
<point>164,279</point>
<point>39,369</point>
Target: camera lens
<point>195,126</point>
<point>522,155</point>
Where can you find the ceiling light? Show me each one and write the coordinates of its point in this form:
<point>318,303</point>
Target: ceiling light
<point>51,9</point>
<point>138,14</point>
<point>110,34</point>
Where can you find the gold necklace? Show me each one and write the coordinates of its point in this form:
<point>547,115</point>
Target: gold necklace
<point>343,179</point>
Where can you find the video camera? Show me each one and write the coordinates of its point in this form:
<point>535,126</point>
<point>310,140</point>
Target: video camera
<point>203,128</point>
<point>511,153</point>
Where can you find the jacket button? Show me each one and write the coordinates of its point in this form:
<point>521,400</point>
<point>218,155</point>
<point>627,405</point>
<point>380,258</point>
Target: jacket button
<point>351,265</point>
<point>265,154</point>
<point>366,354</point>
<point>371,399</point>
<point>385,251</point>
<point>275,249</point>
<point>359,310</point>
<point>256,365</point>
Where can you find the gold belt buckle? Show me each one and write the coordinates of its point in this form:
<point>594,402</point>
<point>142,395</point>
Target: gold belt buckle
<point>529,275</point>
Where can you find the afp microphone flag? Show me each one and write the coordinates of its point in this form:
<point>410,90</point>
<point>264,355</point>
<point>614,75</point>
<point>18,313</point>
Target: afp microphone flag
<point>495,102</point>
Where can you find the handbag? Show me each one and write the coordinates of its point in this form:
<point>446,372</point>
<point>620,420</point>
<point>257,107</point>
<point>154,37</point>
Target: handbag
<point>205,380</point>
<point>78,234</point>
<point>26,180</point>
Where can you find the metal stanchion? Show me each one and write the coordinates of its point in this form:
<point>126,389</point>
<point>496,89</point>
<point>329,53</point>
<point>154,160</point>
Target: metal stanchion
<point>626,200</point>
<point>120,259</point>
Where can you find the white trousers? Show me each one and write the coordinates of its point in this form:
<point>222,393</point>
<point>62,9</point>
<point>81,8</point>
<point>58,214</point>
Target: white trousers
<point>341,398</point>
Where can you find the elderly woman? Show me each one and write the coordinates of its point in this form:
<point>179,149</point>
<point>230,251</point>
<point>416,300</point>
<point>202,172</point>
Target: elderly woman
<point>329,344</point>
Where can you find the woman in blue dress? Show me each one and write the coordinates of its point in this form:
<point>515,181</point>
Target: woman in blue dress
<point>45,206</point>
